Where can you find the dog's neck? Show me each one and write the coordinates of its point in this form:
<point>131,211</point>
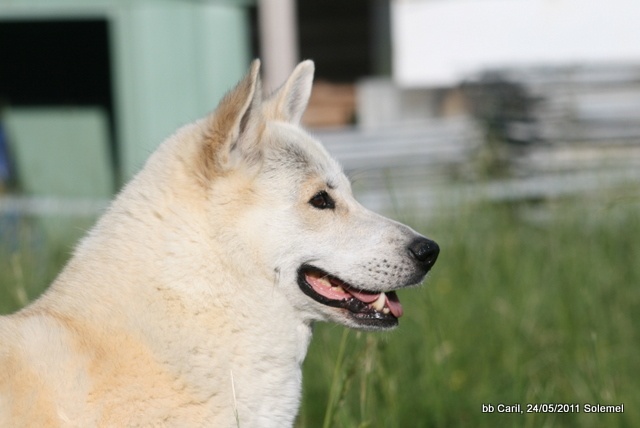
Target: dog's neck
<point>227,354</point>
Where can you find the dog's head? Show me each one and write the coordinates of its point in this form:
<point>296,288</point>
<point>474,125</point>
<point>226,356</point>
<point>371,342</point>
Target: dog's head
<point>291,215</point>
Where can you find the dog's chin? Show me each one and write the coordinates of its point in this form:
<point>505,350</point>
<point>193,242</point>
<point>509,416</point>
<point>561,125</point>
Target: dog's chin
<point>344,304</point>
<point>350,320</point>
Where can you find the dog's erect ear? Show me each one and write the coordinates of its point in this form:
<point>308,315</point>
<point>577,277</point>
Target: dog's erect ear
<point>290,101</point>
<point>229,121</point>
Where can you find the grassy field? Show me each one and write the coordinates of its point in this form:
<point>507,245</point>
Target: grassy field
<point>528,304</point>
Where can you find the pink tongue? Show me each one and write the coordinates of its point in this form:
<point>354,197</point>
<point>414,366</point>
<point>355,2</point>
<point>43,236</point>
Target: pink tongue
<point>392,301</point>
<point>394,305</point>
<point>335,293</point>
<point>364,297</point>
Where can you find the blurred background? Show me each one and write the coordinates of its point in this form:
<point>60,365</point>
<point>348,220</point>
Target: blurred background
<point>507,130</point>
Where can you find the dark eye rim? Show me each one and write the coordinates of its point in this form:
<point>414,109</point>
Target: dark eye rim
<point>322,201</point>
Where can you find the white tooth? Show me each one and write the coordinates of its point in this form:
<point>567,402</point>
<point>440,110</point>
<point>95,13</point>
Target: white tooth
<point>378,305</point>
<point>338,288</point>
<point>325,281</point>
<point>385,310</point>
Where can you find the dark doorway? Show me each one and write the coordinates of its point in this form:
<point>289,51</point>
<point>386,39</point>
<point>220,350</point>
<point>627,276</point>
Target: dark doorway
<point>57,63</point>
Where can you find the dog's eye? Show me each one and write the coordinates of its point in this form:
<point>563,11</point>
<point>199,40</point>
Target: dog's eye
<point>322,201</point>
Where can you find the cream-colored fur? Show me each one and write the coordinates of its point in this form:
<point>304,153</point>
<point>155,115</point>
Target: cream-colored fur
<point>182,308</point>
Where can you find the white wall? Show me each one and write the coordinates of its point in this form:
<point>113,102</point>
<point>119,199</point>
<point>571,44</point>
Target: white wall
<point>439,42</point>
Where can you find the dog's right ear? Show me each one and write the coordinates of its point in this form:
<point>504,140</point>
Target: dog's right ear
<point>226,125</point>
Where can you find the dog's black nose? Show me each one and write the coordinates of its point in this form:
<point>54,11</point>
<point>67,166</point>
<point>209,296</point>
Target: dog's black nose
<point>425,251</point>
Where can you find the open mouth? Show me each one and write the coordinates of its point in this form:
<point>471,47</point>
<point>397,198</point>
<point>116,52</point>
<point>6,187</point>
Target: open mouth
<point>367,308</point>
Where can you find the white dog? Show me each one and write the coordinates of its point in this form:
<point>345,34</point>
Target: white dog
<point>191,301</point>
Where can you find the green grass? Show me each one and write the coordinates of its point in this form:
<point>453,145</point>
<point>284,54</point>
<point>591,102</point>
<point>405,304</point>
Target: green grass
<point>30,258</point>
<point>527,304</point>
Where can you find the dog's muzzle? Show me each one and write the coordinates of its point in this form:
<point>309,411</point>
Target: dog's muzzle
<point>368,309</point>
